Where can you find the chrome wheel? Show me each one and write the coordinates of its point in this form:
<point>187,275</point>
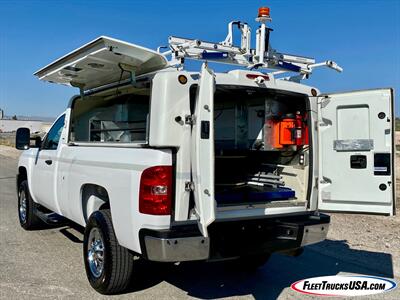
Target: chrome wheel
<point>22,206</point>
<point>95,252</point>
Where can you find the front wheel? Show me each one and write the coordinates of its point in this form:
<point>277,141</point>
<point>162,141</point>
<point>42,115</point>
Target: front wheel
<point>108,265</point>
<point>26,208</point>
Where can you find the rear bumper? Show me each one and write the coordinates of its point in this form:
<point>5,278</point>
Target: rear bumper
<point>233,238</point>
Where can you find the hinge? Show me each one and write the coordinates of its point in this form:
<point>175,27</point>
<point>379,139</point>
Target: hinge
<point>193,213</point>
<point>325,180</point>
<point>316,183</point>
<point>325,101</point>
<point>190,119</point>
<point>189,186</point>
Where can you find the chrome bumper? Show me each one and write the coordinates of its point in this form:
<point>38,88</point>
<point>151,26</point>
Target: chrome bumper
<point>177,249</point>
<point>314,233</point>
<point>233,238</point>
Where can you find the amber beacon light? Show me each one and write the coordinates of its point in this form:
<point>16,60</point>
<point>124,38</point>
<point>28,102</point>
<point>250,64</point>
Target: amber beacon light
<point>263,12</point>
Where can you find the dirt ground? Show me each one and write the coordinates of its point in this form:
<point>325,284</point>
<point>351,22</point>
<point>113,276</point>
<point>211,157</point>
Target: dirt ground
<point>9,152</point>
<point>7,139</point>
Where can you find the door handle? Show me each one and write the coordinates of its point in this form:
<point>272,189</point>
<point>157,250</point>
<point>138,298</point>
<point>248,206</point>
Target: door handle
<point>48,161</point>
<point>205,130</point>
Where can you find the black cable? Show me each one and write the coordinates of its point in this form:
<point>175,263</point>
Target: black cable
<point>120,79</point>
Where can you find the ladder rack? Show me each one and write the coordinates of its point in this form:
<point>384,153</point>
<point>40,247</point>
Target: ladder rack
<point>262,57</point>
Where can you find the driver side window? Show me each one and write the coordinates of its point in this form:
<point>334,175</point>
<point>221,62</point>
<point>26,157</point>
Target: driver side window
<point>54,134</point>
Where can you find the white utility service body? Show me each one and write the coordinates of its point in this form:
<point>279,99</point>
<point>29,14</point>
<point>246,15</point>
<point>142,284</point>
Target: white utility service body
<point>90,161</point>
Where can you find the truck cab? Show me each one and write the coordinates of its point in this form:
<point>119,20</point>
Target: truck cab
<point>170,165</point>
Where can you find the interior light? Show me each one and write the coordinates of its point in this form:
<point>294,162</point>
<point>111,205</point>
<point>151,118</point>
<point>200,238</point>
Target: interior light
<point>254,76</point>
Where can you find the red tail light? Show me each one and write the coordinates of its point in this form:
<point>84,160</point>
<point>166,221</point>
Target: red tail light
<point>156,191</point>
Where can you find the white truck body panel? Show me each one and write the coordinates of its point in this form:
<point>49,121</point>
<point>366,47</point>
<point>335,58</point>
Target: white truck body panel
<point>118,171</point>
<point>203,151</point>
<point>356,125</point>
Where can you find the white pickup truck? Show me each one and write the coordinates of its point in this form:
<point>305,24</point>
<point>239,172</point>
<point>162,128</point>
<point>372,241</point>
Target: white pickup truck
<point>170,165</point>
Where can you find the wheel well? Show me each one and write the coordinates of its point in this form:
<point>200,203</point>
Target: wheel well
<point>21,176</point>
<point>94,197</point>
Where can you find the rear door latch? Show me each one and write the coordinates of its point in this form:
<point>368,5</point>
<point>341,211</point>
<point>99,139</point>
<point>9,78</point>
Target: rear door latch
<point>190,119</point>
<point>189,186</point>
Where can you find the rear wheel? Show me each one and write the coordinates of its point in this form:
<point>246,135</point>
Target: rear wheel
<point>108,265</point>
<point>26,208</point>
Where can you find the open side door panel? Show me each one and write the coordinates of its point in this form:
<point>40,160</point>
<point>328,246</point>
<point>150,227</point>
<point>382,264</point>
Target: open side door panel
<point>356,152</point>
<point>102,61</point>
<point>203,150</point>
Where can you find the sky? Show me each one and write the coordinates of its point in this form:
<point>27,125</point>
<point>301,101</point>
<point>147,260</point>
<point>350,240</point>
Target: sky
<point>362,36</point>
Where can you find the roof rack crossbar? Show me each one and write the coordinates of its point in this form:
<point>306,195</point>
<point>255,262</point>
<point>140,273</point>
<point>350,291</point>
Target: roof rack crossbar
<point>262,57</point>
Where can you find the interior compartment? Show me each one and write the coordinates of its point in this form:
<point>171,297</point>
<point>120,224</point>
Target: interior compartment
<point>115,116</point>
<point>261,147</point>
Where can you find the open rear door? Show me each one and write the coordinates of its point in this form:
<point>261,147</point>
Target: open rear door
<point>356,152</point>
<point>203,150</point>
<point>102,61</point>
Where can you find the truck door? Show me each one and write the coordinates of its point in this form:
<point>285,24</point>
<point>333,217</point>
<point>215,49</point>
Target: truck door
<point>203,150</point>
<point>356,152</point>
<point>44,173</point>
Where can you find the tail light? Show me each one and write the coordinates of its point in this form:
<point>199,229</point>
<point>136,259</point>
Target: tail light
<point>155,192</point>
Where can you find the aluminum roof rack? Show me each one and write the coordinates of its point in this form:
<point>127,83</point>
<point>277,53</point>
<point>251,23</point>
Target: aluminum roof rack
<point>262,57</point>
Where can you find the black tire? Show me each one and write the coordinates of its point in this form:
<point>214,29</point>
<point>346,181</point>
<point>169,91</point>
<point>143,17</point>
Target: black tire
<point>26,208</point>
<point>117,262</point>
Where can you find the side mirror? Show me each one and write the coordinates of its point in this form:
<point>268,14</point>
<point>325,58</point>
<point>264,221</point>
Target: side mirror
<point>22,138</point>
<point>38,142</point>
